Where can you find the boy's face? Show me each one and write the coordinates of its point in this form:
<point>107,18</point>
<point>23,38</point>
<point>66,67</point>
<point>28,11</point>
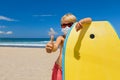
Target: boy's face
<point>66,27</point>
<point>65,24</point>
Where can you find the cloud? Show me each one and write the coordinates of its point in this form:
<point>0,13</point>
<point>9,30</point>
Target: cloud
<point>6,18</point>
<point>52,32</point>
<point>44,15</point>
<point>8,32</point>
<point>1,32</point>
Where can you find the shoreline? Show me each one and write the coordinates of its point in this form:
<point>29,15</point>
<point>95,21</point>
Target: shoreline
<point>24,46</point>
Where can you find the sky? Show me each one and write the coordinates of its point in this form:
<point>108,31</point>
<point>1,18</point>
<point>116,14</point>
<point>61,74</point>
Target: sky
<point>34,18</point>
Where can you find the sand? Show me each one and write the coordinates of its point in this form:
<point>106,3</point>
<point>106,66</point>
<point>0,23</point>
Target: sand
<point>26,63</point>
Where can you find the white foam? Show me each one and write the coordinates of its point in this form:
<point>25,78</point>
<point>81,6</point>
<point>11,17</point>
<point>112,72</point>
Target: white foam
<point>24,44</point>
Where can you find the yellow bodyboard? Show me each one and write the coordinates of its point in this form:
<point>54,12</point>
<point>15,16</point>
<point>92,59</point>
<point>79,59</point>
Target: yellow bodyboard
<point>93,53</point>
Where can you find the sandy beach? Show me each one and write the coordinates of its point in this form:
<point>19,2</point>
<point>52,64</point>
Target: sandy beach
<point>26,63</point>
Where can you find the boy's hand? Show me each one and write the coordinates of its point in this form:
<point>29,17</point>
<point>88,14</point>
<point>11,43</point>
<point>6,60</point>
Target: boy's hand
<point>78,26</point>
<point>50,45</point>
<point>82,23</point>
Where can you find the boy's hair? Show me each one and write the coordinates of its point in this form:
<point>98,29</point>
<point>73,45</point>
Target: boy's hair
<point>69,18</point>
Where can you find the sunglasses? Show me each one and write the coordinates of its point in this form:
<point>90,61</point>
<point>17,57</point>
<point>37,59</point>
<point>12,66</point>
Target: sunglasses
<point>68,24</point>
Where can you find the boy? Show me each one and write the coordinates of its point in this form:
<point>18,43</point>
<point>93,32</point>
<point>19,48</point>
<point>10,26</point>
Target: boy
<point>66,22</point>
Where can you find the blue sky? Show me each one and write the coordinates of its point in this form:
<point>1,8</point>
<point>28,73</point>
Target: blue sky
<point>34,18</point>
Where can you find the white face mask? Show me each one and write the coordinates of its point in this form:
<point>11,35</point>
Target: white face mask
<point>65,30</point>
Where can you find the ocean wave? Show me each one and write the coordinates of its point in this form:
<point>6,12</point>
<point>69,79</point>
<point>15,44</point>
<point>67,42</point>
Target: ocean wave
<point>24,44</point>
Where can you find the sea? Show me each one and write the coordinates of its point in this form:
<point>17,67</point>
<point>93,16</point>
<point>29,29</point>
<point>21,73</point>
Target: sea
<point>24,42</point>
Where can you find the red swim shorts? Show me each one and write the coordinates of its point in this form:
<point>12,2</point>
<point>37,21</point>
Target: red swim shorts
<point>57,72</point>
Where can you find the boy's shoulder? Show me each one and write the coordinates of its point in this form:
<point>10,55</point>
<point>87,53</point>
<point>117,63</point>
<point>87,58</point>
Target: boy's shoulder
<point>61,37</point>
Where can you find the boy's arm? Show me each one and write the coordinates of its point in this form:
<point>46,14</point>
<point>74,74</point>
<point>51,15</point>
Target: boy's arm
<point>85,21</point>
<point>82,23</point>
<point>57,43</point>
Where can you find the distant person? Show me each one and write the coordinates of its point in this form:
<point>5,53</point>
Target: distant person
<point>66,22</point>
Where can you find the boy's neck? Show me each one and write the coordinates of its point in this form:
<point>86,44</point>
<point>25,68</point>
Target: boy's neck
<point>64,36</point>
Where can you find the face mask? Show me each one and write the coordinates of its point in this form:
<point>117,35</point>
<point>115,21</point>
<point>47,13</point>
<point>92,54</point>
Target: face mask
<point>65,30</point>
